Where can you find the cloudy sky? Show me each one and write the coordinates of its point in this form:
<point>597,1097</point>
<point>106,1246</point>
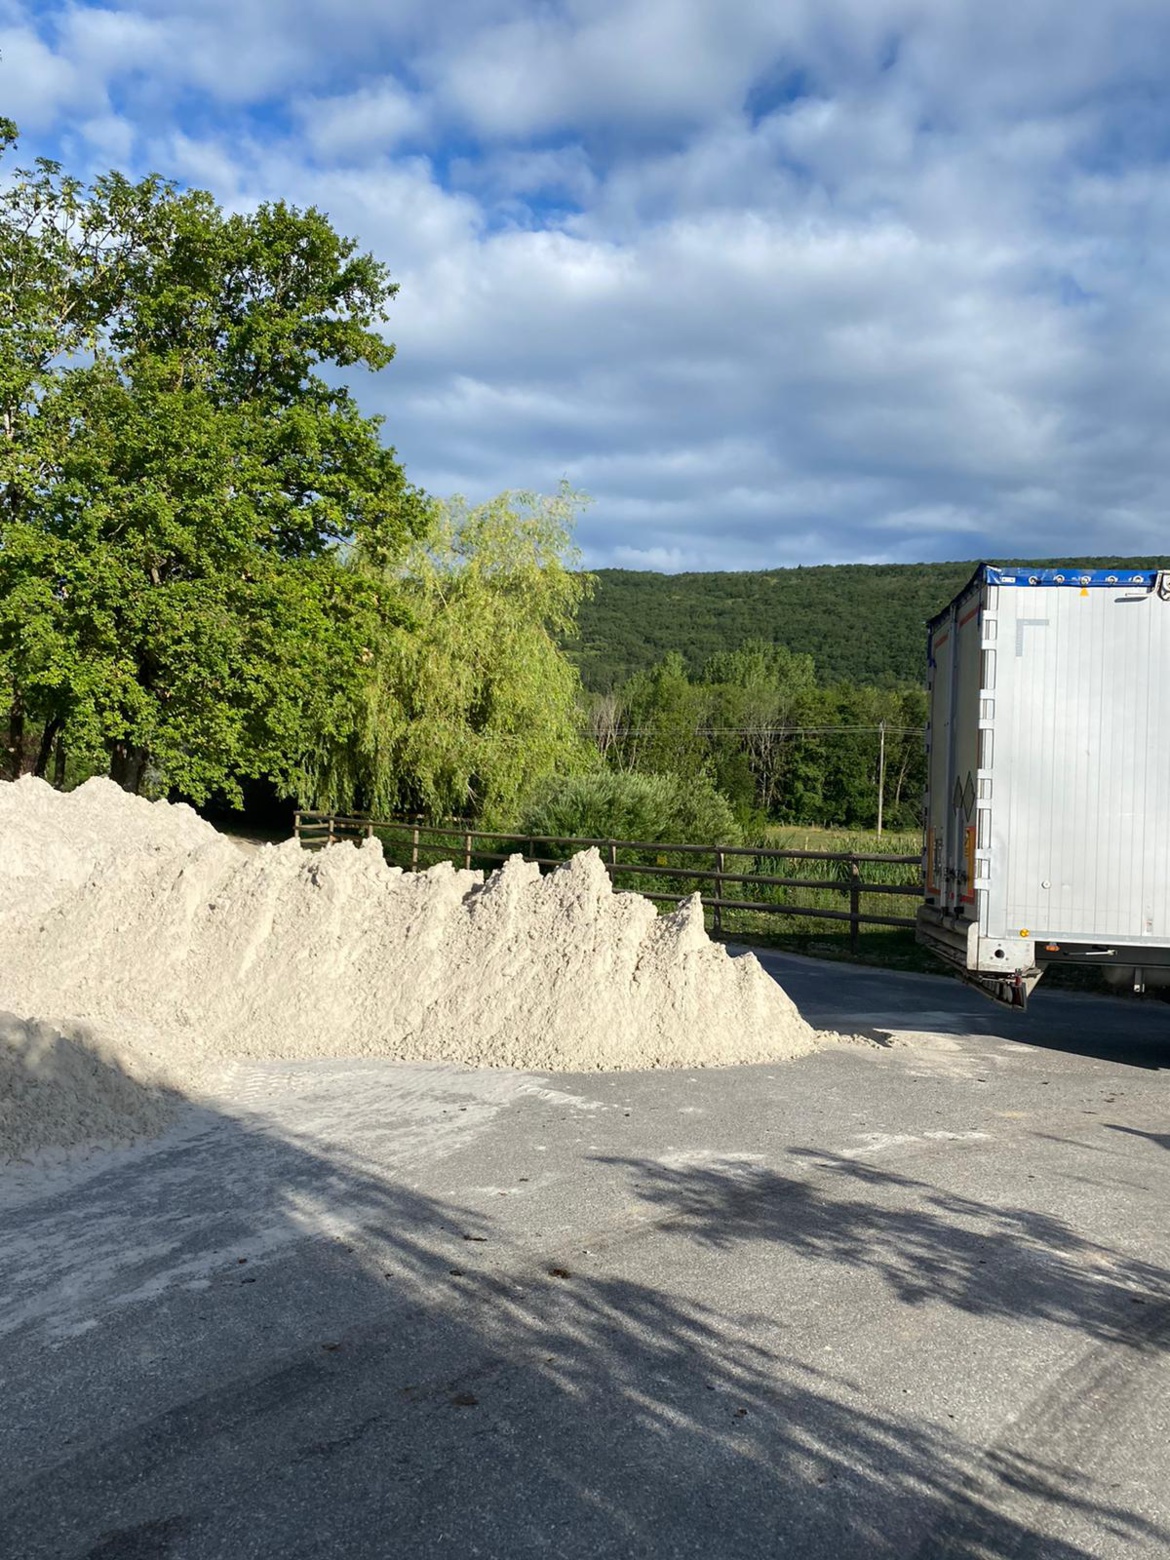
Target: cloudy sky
<point>775,281</point>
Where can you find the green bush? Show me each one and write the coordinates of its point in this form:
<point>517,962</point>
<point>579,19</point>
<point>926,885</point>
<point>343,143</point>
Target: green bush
<point>623,806</point>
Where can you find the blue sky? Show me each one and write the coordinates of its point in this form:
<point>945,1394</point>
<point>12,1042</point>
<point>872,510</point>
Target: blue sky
<point>791,282</point>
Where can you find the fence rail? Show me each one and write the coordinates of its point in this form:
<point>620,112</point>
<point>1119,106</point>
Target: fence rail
<point>415,845</point>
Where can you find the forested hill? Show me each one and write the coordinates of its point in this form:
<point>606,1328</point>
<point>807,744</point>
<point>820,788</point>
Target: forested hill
<point>864,622</point>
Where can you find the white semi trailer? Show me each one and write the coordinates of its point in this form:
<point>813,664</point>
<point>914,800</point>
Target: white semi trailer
<point>1048,764</point>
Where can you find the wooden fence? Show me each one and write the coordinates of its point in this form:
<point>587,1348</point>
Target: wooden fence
<point>727,879</point>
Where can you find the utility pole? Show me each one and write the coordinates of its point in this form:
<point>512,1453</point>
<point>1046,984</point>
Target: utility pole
<point>881,774</point>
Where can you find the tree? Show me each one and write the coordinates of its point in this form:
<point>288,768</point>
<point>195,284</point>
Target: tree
<point>759,692</point>
<point>666,716</point>
<point>181,478</point>
<point>850,762</point>
<point>469,700</point>
<point>906,760</point>
<point>63,257</point>
<point>606,716</point>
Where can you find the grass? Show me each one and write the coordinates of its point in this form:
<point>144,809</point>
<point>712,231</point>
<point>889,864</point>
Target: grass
<point>893,842</point>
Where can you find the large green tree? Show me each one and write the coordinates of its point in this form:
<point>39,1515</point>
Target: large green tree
<point>182,476</point>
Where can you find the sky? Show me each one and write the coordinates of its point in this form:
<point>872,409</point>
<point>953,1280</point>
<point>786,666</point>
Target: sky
<point>795,282</point>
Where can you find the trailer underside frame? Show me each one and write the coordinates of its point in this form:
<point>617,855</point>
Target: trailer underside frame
<point>956,941</point>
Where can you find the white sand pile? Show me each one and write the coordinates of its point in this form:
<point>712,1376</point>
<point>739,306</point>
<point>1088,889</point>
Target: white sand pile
<point>139,917</point>
<point>68,1091</point>
<point>52,844</point>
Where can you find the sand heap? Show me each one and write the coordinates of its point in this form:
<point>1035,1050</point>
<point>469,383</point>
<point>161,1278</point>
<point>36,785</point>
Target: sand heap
<point>61,1090</point>
<point>52,845</point>
<point>141,919</point>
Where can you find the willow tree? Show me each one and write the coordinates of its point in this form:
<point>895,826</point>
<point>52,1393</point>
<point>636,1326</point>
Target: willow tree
<point>469,699</point>
<point>182,476</point>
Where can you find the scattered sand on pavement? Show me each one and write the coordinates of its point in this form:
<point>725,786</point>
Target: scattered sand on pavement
<point>140,919</point>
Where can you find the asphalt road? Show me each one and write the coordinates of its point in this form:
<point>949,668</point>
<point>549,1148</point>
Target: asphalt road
<point>909,1299</point>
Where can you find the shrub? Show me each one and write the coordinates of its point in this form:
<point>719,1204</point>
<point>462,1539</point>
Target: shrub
<point>623,806</point>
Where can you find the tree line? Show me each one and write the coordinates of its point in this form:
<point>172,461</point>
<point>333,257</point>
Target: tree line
<point>780,745</point>
<point>861,623</point>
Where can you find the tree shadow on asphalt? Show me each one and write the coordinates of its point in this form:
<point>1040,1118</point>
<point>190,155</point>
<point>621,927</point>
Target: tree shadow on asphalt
<point>929,1246</point>
<point>245,1345</point>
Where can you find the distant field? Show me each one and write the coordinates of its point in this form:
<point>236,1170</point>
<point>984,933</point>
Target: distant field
<point>788,836</point>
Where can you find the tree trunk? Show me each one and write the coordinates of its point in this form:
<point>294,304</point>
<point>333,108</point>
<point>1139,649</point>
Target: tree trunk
<point>48,737</point>
<point>59,765</point>
<point>127,766</point>
<point>14,747</point>
<point>902,772</point>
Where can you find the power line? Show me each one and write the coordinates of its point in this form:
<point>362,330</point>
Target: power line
<point>706,731</point>
<point>765,731</point>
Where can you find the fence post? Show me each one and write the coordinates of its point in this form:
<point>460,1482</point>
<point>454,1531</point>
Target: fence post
<point>414,847</point>
<point>718,888</point>
<point>854,905</point>
<point>612,861</point>
<point>467,852</point>
<point>331,840</point>
<point>297,827</point>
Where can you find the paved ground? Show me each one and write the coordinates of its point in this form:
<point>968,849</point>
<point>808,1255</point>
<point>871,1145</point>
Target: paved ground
<point>906,1301</point>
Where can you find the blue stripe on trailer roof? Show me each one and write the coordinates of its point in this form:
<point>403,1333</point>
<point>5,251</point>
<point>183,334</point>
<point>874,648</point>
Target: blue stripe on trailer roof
<point>1069,576</point>
<point>994,574</point>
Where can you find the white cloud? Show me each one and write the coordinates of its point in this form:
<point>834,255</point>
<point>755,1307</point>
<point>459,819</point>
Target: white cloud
<point>648,63</point>
<point>37,83</point>
<point>110,138</point>
<point>366,123</point>
<point>112,43</point>
<point>506,179</point>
